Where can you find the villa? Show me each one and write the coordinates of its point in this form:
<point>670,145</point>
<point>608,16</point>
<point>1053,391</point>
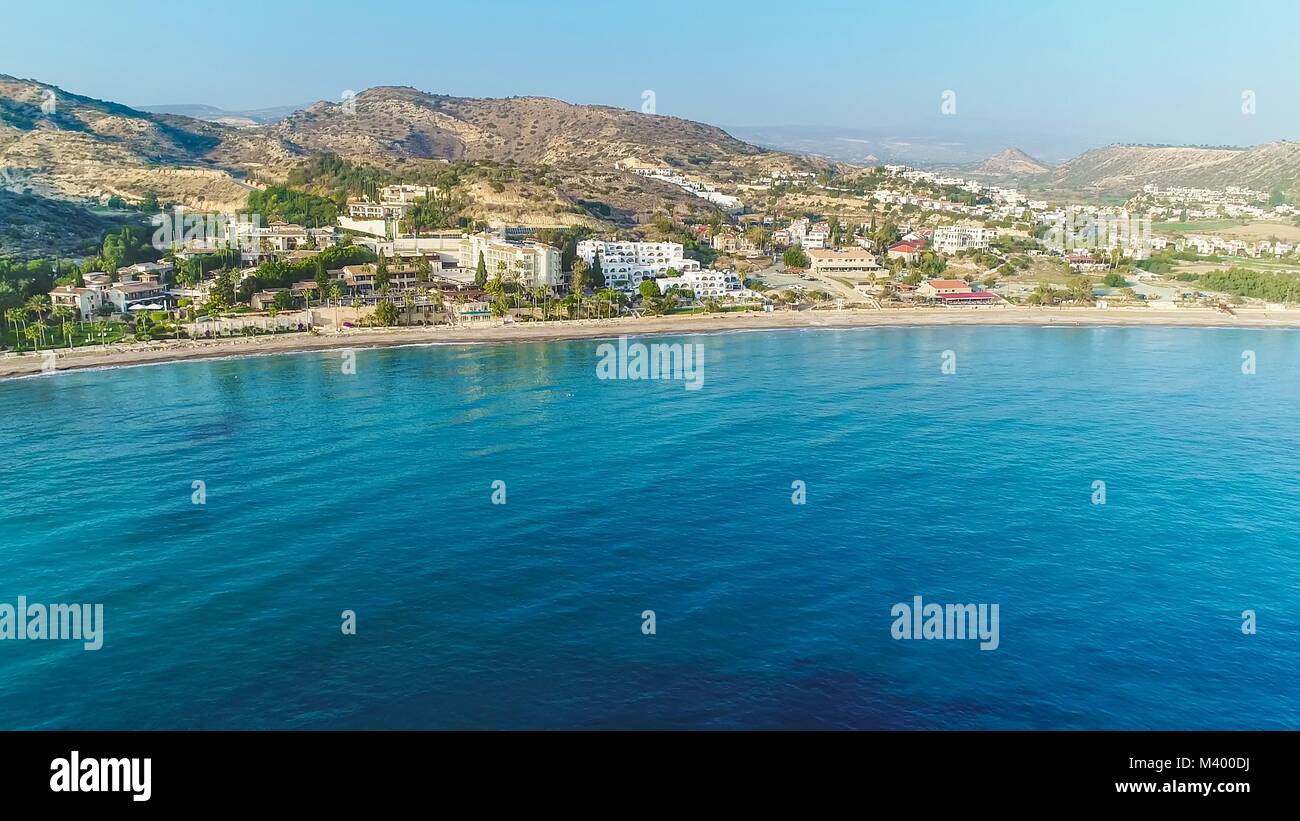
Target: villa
<point>906,250</point>
<point>85,301</point>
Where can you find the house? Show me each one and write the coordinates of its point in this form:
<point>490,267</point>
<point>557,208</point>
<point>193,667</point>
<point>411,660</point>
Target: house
<point>908,250</point>
<point>258,243</point>
<point>933,288</point>
<point>145,272</point>
<point>395,202</point>
<point>262,300</point>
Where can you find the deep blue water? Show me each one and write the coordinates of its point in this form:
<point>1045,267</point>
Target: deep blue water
<point>371,492</point>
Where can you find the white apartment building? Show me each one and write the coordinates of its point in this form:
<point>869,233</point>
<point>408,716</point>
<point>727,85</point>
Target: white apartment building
<point>708,283</point>
<point>960,237</point>
<point>625,265</point>
<point>533,263</point>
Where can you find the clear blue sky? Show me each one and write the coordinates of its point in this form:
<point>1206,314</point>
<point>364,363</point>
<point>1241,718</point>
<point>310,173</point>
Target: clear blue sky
<point>1095,72</point>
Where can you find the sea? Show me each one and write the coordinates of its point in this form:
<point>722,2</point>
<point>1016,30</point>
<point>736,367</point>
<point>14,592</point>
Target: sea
<point>495,537</point>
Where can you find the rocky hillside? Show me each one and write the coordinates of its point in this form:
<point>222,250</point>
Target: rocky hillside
<point>403,122</point>
<point>1126,168</point>
<point>85,149</point>
<point>63,145</point>
<point>34,226</point>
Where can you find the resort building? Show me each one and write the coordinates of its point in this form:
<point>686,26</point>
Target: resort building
<point>363,278</point>
<point>625,265</point>
<point>531,263</point>
<point>258,243</point>
<point>124,296</point>
<point>395,202</point>
<point>969,298</point>
<point>933,288</point>
<point>708,283</point>
<point>854,262</point>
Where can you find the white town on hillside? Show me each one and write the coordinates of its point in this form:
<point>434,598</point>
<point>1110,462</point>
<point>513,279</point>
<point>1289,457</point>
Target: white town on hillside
<point>933,239</point>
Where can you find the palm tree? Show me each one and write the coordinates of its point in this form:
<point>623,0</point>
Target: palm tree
<point>33,334</point>
<point>64,315</point>
<point>15,317</point>
<point>336,294</point>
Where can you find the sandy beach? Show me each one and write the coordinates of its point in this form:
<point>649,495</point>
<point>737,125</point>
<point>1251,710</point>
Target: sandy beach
<point>30,363</point>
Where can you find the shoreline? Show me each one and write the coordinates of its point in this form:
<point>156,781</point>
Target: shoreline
<point>119,355</point>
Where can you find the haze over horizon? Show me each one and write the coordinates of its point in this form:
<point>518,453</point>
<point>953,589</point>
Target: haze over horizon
<point>1051,80</point>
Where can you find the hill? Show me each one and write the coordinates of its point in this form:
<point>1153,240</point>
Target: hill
<point>1126,168</point>
<point>404,122</point>
<point>254,116</point>
<point>63,145</point>
<point>574,162</point>
<point>1010,163</point>
<point>34,226</point>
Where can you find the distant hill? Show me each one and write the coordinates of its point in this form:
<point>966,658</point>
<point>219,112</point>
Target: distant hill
<point>392,122</point>
<point>243,117</point>
<point>1010,163</point>
<point>1126,168</point>
<point>866,146</point>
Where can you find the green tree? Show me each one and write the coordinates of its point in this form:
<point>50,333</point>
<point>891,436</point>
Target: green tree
<point>386,313</point>
<point>480,274</point>
<point>794,257</point>
<point>322,278</point>
<point>578,281</point>
<point>283,300</point>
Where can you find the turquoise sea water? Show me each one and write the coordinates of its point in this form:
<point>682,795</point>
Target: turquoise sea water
<point>372,492</point>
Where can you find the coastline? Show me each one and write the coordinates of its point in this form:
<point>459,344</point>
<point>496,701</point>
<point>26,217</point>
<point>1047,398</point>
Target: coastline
<point>119,355</point>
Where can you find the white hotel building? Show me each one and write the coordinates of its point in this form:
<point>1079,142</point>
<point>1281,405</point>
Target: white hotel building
<point>960,237</point>
<point>625,265</point>
<point>534,264</point>
<point>705,283</point>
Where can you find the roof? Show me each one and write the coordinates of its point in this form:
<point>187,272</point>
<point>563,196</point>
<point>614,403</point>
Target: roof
<point>968,295</point>
<point>948,283</point>
<point>830,253</point>
<point>910,245</point>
